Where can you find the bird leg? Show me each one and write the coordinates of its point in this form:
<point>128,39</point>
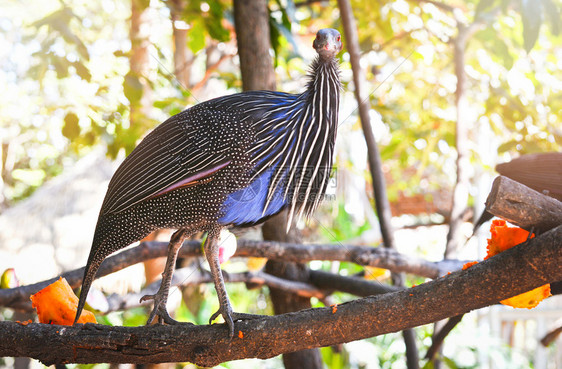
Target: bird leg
<point>225,308</point>
<point>161,297</point>
<point>212,254</point>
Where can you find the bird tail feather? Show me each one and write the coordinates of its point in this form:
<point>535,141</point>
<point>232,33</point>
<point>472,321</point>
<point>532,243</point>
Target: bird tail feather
<point>90,271</point>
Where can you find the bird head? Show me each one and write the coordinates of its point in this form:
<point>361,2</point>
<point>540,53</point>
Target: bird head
<point>327,42</point>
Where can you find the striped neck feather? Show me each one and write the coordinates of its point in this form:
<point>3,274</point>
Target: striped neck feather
<point>301,155</point>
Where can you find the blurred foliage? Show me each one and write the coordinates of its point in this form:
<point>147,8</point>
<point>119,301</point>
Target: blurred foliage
<point>78,87</point>
<point>68,88</point>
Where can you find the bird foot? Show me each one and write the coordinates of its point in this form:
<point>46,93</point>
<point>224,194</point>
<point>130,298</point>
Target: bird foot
<point>159,309</point>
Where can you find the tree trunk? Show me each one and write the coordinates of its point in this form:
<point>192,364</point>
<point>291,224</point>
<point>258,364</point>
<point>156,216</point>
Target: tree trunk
<point>286,302</point>
<point>138,61</point>
<point>251,20</point>
<point>252,31</point>
<point>183,57</point>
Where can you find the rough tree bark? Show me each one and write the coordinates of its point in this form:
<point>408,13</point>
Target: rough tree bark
<point>375,163</point>
<point>523,206</point>
<point>251,20</point>
<point>286,302</point>
<point>512,272</point>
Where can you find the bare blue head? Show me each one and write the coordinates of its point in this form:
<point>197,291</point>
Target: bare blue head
<point>327,43</point>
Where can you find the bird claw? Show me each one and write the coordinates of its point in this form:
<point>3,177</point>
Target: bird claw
<point>147,298</point>
<point>159,310</point>
<point>226,312</point>
<point>230,317</point>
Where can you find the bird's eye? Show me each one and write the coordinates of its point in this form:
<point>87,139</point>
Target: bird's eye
<point>338,39</point>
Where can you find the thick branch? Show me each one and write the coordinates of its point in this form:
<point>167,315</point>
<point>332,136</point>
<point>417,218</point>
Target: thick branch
<point>523,206</point>
<point>512,272</point>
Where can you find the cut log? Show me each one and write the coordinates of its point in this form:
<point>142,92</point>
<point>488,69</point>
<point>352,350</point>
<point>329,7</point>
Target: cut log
<point>523,206</point>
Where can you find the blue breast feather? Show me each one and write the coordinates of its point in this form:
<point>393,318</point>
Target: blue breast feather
<point>246,206</point>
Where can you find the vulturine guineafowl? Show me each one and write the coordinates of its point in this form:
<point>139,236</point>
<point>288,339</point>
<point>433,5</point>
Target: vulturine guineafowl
<point>232,161</point>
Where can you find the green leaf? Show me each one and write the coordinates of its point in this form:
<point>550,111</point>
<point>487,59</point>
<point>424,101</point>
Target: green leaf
<point>282,29</point>
<point>496,46</point>
<point>428,365</point>
<point>531,12</point>
<point>71,129</point>
<point>274,35</point>
<point>133,89</point>
<point>214,22</point>
<point>90,138</point>
<point>9,279</point>
<point>287,13</point>
<point>142,4</point>
<point>450,363</point>
<point>196,36</point>
<point>507,146</point>
<point>61,15</point>
<point>502,50</point>
<point>120,53</point>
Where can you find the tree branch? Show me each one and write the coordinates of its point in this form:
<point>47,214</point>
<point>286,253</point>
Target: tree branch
<point>355,286</point>
<point>438,337</point>
<point>210,70</point>
<point>519,269</point>
<point>18,298</point>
